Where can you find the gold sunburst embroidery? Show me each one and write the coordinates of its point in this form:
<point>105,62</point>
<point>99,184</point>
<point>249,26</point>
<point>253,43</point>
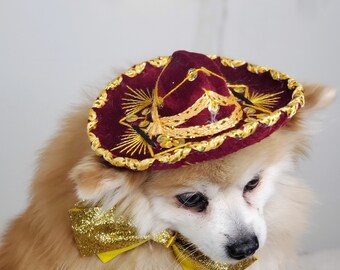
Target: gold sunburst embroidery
<point>136,100</point>
<point>131,142</point>
<point>264,101</point>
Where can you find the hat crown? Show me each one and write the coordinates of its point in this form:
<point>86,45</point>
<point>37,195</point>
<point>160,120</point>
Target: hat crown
<point>185,80</point>
<point>191,87</point>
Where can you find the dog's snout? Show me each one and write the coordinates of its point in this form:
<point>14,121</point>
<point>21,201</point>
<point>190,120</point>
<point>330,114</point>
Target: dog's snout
<point>242,248</point>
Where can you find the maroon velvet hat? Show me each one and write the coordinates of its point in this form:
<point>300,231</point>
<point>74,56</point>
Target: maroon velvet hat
<point>187,108</point>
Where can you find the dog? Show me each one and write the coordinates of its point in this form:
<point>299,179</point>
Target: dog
<point>229,208</point>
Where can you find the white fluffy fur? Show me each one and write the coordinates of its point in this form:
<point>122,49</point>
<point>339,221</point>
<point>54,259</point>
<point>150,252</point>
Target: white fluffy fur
<point>279,203</point>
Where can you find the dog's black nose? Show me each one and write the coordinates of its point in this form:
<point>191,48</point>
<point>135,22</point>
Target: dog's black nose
<point>243,248</point>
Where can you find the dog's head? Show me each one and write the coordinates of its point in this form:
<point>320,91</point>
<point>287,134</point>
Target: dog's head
<point>219,205</point>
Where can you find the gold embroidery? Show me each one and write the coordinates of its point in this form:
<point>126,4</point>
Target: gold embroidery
<point>133,72</point>
<point>264,101</point>
<point>256,69</point>
<point>231,62</point>
<point>132,142</point>
<point>101,101</point>
<point>137,100</point>
<point>179,152</point>
<point>279,76</point>
<point>239,88</point>
<point>168,142</point>
<point>167,125</point>
<point>212,56</point>
<point>112,85</point>
<point>92,120</point>
<point>160,61</point>
<point>292,84</point>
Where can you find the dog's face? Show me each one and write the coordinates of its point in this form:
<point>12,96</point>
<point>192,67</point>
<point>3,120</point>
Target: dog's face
<point>219,205</point>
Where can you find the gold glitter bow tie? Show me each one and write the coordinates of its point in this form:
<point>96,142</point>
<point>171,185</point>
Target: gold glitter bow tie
<point>107,235</point>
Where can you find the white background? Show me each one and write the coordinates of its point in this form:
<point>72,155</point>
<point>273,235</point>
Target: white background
<point>53,52</point>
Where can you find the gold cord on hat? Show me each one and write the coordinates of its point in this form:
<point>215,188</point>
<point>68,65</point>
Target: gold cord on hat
<point>210,100</point>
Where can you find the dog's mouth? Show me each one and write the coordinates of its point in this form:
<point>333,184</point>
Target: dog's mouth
<point>192,251</point>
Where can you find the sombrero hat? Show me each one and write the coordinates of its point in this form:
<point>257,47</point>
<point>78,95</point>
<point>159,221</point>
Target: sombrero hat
<point>188,108</point>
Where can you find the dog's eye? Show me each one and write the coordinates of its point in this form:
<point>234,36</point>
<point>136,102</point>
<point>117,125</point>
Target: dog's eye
<point>193,200</point>
<point>252,184</point>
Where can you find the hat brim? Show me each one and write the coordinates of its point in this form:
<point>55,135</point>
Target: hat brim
<point>243,134</point>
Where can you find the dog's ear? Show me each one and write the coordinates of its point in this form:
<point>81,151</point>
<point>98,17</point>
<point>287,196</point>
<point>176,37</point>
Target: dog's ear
<point>304,123</point>
<point>317,97</point>
<point>98,182</point>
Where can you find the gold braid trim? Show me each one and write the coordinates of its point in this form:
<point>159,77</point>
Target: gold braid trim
<point>168,124</point>
<point>212,101</point>
<point>180,152</point>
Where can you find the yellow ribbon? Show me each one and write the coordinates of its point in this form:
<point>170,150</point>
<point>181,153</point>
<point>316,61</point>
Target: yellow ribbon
<point>108,235</point>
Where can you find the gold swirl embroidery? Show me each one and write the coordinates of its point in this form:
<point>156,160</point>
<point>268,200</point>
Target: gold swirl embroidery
<point>160,61</point>
<point>92,120</point>
<point>112,85</point>
<point>133,72</point>
<point>231,62</point>
<point>256,69</point>
<point>292,84</point>
<point>279,76</point>
<point>168,142</point>
<point>101,101</point>
<point>212,56</point>
<point>168,124</point>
